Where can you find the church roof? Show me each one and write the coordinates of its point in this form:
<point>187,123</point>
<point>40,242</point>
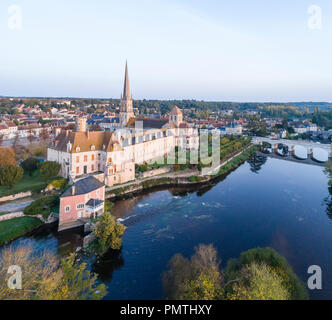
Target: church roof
<point>126,89</point>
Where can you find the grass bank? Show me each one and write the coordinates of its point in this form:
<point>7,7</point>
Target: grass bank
<point>15,228</point>
<point>34,183</point>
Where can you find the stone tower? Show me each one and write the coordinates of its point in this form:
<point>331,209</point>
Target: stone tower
<point>81,125</point>
<point>126,102</point>
<point>176,116</point>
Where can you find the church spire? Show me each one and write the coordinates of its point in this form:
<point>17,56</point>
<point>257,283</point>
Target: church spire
<point>126,90</point>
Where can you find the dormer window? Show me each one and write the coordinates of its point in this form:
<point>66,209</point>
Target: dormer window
<point>78,149</point>
<point>93,148</point>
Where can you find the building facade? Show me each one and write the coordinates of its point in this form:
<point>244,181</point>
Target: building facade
<point>83,200</point>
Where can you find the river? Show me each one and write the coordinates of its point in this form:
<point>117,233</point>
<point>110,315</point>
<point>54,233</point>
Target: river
<point>273,203</point>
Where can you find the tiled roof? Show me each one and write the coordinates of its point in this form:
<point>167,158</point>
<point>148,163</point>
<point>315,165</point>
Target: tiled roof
<point>84,140</point>
<point>83,186</point>
<point>176,111</point>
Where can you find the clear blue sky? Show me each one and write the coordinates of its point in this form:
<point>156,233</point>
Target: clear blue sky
<point>235,50</point>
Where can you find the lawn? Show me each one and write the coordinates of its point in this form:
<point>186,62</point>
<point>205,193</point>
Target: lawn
<point>34,183</point>
<point>14,228</point>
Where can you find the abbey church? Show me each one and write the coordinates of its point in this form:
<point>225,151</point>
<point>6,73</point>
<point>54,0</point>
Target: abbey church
<point>111,156</point>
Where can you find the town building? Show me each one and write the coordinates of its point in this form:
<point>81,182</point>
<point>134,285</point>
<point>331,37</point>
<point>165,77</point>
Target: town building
<point>83,200</point>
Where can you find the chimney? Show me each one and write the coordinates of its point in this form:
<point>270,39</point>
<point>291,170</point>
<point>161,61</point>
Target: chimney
<point>73,189</point>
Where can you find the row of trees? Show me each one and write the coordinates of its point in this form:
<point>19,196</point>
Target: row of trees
<point>259,274</point>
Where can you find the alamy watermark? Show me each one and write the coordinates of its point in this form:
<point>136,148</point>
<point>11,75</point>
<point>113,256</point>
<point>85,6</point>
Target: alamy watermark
<point>315,21</point>
<point>15,280</point>
<point>315,281</point>
<point>15,19</point>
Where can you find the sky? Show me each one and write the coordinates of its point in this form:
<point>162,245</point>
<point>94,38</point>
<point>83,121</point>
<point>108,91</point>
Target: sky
<point>213,50</point>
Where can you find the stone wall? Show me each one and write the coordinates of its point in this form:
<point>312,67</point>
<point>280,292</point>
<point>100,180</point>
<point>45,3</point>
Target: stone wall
<point>11,216</point>
<point>16,196</point>
<point>156,172</point>
<point>88,239</point>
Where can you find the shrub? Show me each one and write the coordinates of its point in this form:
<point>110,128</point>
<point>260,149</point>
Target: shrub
<point>59,184</point>
<point>30,165</point>
<point>42,206</point>
<point>49,169</point>
<point>10,175</point>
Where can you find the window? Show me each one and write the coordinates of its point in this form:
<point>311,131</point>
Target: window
<point>67,209</point>
<point>98,193</point>
<point>77,159</point>
<point>77,170</point>
<point>109,160</point>
<point>85,158</point>
<point>80,206</point>
<point>92,167</point>
<point>93,157</point>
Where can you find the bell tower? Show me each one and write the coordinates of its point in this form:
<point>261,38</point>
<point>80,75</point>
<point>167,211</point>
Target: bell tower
<point>81,124</point>
<point>126,102</point>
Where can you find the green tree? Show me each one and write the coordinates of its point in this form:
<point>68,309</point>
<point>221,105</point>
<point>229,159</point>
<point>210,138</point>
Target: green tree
<point>273,260</point>
<point>30,165</point>
<point>72,282</point>
<point>202,288</point>
<point>258,282</point>
<point>109,233</point>
<point>49,169</point>
<point>10,175</point>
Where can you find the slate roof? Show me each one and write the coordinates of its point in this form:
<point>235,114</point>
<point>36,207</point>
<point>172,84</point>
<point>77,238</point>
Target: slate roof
<point>83,186</point>
<point>110,120</point>
<point>148,123</point>
<point>94,203</point>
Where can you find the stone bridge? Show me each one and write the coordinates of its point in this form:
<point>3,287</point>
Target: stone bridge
<point>299,149</point>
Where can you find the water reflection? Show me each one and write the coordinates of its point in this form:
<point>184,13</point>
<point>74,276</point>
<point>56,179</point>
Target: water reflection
<point>106,265</point>
<point>256,162</point>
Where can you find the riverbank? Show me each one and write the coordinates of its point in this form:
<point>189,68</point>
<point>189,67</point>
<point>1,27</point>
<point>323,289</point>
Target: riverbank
<point>180,179</point>
<point>17,227</point>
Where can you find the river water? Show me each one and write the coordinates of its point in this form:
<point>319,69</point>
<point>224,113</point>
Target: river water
<point>272,203</point>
